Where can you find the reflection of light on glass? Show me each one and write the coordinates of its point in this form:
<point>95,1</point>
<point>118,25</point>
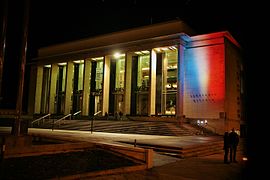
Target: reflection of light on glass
<point>62,64</point>
<point>146,68</point>
<point>97,58</point>
<point>145,52</point>
<point>138,53</point>
<point>168,86</point>
<point>164,49</point>
<point>48,66</point>
<point>116,55</point>
<point>78,61</point>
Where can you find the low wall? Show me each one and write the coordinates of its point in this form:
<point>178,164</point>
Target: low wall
<point>24,148</point>
<point>143,155</point>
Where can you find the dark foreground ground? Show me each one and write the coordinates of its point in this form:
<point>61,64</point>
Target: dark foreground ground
<point>58,165</point>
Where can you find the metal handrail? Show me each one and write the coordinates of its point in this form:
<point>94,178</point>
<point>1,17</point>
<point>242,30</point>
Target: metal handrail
<point>92,120</point>
<point>97,113</point>
<point>54,122</point>
<point>77,113</point>
<point>58,120</point>
<point>41,118</point>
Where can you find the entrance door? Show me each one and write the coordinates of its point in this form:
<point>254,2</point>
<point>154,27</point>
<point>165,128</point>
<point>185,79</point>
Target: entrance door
<point>60,89</point>
<point>77,86</point>
<point>96,81</point>
<point>45,89</point>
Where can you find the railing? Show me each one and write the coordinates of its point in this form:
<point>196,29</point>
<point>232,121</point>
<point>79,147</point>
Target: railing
<point>92,121</point>
<point>41,118</point>
<point>76,113</point>
<point>59,120</point>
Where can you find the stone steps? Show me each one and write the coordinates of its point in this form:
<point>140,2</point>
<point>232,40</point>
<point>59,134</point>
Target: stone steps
<point>125,126</point>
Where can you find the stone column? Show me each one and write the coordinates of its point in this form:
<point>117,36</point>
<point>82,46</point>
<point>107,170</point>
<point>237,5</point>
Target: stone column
<point>180,84</point>
<point>106,85</point>
<point>86,87</point>
<point>54,71</point>
<point>68,88</point>
<point>38,93</point>
<point>128,82</point>
<point>152,93</point>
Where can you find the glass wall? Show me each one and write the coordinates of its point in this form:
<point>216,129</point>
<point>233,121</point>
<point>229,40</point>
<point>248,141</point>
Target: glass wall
<point>166,80</point>
<point>60,88</point>
<point>45,96</point>
<point>96,85</point>
<point>117,84</point>
<point>140,83</point>
<point>78,69</point>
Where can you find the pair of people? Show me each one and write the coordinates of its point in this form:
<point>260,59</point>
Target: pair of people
<point>231,141</point>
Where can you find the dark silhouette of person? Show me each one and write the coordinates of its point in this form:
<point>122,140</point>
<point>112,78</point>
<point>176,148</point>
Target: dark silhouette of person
<point>226,147</point>
<point>234,140</point>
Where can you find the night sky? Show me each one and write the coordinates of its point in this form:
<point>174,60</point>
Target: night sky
<point>59,21</point>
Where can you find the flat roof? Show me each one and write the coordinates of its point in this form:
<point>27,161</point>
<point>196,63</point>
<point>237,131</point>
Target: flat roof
<point>129,35</point>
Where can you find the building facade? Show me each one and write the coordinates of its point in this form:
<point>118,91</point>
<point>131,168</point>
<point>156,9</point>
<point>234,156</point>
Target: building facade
<point>156,70</point>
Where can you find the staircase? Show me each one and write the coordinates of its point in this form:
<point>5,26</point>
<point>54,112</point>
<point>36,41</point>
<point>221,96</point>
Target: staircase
<point>202,149</point>
<point>197,150</point>
<point>125,126</point>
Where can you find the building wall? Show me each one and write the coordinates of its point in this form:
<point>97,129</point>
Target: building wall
<point>233,97</point>
<point>204,82</point>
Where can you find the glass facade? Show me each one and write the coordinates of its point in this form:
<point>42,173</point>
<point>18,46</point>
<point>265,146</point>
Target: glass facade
<point>139,87</point>
<point>45,95</point>
<point>78,70</point>
<point>96,82</point>
<point>166,80</point>
<point>117,84</point>
<point>60,89</point>
<point>140,82</point>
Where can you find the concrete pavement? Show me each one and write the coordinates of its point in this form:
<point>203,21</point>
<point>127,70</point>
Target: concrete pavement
<point>165,167</point>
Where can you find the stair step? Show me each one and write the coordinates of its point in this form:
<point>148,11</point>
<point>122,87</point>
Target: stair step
<point>124,126</point>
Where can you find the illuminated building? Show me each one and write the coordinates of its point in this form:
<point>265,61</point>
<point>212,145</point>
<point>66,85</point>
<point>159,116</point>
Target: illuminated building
<point>156,70</point>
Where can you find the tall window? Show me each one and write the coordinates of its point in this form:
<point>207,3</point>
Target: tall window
<point>60,88</point>
<point>99,74</point>
<point>170,82</point>
<point>120,73</point>
<point>166,80</point>
<point>45,89</point>
<point>142,92</point>
<point>96,85</point>
<point>117,84</point>
<point>78,70</point>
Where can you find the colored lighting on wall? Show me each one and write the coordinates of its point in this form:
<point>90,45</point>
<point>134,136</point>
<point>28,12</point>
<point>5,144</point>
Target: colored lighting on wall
<point>205,73</point>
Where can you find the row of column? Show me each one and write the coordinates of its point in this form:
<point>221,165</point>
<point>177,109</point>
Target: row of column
<point>106,85</point>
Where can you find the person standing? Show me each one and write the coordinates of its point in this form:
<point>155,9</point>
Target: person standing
<point>234,140</point>
<point>226,147</point>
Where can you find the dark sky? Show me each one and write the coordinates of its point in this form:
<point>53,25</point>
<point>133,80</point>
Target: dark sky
<point>60,21</point>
